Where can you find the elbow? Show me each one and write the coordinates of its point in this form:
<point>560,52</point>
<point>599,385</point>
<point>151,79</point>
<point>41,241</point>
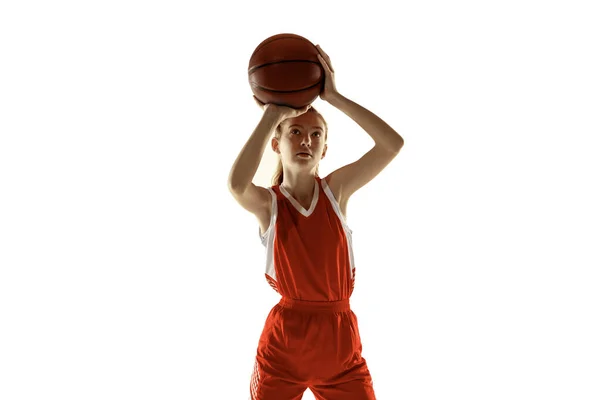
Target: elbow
<point>397,146</point>
<point>233,181</point>
<point>236,187</point>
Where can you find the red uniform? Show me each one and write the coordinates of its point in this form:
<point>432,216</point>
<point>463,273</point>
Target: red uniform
<point>311,338</point>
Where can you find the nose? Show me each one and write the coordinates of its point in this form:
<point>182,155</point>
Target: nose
<point>305,140</point>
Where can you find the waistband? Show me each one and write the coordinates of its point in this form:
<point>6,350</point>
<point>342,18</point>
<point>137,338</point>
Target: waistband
<point>306,305</point>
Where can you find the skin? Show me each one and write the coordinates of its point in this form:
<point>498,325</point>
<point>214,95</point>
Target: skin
<point>304,133</point>
<point>299,172</point>
<point>298,178</point>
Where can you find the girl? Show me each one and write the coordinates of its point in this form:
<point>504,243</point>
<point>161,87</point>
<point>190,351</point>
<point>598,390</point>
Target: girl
<point>311,337</point>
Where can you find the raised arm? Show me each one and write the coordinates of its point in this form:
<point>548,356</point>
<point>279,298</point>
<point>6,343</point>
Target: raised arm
<point>254,198</point>
<point>246,164</point>
<point>349,178</point>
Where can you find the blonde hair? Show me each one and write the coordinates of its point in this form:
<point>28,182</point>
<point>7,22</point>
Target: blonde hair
<point>278,175</point>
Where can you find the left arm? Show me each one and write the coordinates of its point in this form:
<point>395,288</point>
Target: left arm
<point>349,178</point>
<point>383,135</point>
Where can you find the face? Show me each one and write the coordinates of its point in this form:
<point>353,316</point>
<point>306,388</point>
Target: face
<point>302,134</point>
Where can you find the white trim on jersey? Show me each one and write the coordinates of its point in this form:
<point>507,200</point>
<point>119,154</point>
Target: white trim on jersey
<point>297,205</point>
<point>334,203</point>
<point>268,238</point>
<point>347,230</point>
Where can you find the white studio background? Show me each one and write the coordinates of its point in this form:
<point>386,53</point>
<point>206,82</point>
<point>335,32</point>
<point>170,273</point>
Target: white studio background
<point>128,271</point>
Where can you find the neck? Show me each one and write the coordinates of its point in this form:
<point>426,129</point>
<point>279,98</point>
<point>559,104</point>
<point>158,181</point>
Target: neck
<point>299,186</point>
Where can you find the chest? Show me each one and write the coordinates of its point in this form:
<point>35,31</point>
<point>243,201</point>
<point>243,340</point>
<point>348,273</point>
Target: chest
<point>305,206</point>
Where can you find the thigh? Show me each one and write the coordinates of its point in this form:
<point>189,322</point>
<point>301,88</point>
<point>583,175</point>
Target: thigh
<point>265,386</point>
<point>354,384</point>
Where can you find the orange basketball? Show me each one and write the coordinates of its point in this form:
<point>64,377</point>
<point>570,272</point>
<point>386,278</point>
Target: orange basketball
<point>284,70</point>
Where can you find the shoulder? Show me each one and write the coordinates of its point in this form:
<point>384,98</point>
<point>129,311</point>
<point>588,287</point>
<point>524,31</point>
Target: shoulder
<point>256,199</point>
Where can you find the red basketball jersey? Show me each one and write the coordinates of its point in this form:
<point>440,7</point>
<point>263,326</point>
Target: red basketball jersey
<point>309,252</point>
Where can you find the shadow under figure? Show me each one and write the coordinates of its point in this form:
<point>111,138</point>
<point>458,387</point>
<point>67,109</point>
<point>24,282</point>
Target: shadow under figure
<point>311,338</point>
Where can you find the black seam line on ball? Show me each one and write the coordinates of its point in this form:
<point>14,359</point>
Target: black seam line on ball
<point>285,91</point>
<point>251,70</point>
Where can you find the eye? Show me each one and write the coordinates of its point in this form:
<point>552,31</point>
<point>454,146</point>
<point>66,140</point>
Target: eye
<point>294,130</point>
<point>318,133</point>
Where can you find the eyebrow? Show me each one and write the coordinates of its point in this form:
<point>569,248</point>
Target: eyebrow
<point>312,127</point>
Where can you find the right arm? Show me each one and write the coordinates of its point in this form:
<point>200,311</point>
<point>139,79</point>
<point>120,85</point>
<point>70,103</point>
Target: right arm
<point>251,197</point>
<point>246,164</point>
<point>254,198</point>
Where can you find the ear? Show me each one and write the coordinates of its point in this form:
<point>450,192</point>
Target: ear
<point>324,151</point>
<point>275,145</point>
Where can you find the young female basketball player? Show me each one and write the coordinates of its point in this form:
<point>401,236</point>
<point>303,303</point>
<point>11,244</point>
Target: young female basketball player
<point>311,337</point>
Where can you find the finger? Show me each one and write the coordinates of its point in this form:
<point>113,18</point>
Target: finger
<point>325,63</point>
<point>304,109</point>
<point>321,60</point>
<point>323,52</point>
<point>326,59</point>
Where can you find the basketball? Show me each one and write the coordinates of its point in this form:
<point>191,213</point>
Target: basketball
<point>284,70</point>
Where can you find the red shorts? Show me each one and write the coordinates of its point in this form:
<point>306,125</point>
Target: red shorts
<point>314,345</point>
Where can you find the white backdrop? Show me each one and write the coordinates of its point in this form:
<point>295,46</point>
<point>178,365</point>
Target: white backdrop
<point>128,271</point>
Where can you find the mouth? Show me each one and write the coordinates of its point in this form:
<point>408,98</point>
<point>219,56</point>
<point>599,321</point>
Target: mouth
<point>304,154</point>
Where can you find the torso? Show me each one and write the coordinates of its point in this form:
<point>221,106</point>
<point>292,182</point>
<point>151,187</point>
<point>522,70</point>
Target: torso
<point>265,220</point>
